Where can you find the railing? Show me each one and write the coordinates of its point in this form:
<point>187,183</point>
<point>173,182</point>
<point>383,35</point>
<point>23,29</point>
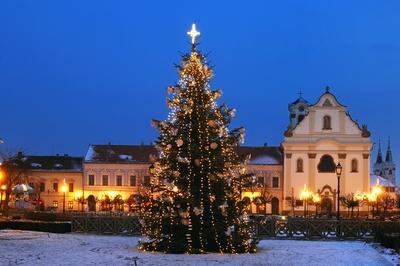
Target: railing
<point>106,224</point>
<point>291,228</point>
<point>296,228</point>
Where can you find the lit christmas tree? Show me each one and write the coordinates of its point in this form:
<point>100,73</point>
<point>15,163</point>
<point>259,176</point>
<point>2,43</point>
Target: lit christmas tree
<point>196,204</point>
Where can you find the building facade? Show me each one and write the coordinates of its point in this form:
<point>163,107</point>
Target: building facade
<point>56,182</point>
<point>316,143</point>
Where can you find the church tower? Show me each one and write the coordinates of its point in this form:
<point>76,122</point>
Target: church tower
<point>385,168</point>
<point>298,110</point>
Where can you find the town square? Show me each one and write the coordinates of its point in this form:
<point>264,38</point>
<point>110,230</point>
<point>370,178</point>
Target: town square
<point>224,134</point>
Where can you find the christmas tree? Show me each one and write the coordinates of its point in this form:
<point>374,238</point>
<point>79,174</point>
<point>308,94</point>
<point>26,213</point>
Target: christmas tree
<point>196,205</point>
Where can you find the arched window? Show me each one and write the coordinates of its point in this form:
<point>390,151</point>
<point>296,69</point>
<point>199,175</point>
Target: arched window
<point>327,122</point>
<point>326,164</point>
<point>299,165</point>
<point>354,166</point>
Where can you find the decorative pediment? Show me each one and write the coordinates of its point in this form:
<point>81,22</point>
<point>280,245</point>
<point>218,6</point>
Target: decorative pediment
<point>327,103</point>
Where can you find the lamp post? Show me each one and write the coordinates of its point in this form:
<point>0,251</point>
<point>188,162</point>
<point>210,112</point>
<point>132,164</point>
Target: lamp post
<point>2,189</point>
<point>338,173</point>
<point>64,190</point>
<point>316,199</point>
<point>305,196</point>
<point>377,190</point>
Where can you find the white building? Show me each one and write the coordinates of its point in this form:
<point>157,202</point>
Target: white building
<point>319,137</point>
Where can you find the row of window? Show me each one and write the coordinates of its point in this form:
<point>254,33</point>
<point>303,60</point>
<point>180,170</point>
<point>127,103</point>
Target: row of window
<point>42,187</point>
<point>118,180</point>
<point>326,165</point>
<point>275,181</point>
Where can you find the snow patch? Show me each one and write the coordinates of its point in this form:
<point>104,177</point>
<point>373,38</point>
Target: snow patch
<point>264,160</point>
<point>126,157</point>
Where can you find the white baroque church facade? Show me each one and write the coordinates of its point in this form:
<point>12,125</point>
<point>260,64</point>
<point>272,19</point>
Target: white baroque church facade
<point>318,137</point>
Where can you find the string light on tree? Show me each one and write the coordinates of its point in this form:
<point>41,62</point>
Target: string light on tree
<point>196,203</point>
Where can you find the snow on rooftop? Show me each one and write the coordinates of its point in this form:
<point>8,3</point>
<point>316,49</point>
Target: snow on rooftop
<point>264,160</point>
<point>126,157</point>
<point>36,165</point>
<point>382,181</point>
<point>90,154</point>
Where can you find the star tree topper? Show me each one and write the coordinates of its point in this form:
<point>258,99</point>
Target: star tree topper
<point>193,33</point>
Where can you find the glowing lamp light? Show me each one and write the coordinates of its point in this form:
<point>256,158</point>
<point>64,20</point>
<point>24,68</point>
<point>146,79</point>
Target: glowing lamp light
<point>175,189</point>
<point>3,187</point>
<point>64,187</point>
<point>305,193</point>
<point>316,198</point>
<point>78,194</point>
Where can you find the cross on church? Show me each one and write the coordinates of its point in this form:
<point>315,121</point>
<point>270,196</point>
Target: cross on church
<point>193,33</point>
<point>300,93</point>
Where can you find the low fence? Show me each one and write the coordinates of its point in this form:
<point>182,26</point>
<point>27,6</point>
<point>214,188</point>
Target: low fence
<point>291,228</point>
<point>106,224</point>
<point>296,228</point>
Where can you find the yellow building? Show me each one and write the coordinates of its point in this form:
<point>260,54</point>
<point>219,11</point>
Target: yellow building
<point>56,182</point>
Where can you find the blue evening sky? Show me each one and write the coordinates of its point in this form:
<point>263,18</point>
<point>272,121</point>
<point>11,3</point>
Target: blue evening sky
<point>80,72</point>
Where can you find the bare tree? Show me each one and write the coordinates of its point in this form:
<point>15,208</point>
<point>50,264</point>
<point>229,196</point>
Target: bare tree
<point>14,170</point>
<point>387,202</point>
<point>350,203</point>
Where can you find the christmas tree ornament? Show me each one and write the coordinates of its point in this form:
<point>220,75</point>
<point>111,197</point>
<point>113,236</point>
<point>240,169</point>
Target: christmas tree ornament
<point>179,142</point>
<point>213,146</point>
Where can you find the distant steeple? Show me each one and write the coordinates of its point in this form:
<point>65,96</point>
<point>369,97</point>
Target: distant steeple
<point>379,158</point>
<point>389,157</point>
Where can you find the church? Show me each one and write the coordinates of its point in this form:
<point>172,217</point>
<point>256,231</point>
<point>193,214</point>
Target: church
<point>318,137</point>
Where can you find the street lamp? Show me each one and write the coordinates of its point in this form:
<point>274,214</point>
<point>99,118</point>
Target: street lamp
<point>2,189</point>
<point>305,196</point>
<point>316,199</point>
<point>64,190</point>
<point>339,169</point>
<point>377,190</point>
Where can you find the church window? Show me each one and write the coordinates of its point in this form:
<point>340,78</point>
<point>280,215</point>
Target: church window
<point>299,166</point>
<point>390,172</point>
<point>354,166</point>
<point>326,164</point>
<point>301,109</point>
<point>327,122</point>
<point>260,180</point>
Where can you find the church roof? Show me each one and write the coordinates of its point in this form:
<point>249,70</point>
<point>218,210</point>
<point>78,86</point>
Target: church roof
<point>300,100</point>
<point>143,154</point>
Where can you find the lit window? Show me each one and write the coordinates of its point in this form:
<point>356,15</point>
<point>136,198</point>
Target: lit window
<point>70,205</point>
<point>55,204</point>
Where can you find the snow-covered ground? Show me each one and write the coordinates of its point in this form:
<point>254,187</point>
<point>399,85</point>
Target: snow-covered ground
<point>38,248</point>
